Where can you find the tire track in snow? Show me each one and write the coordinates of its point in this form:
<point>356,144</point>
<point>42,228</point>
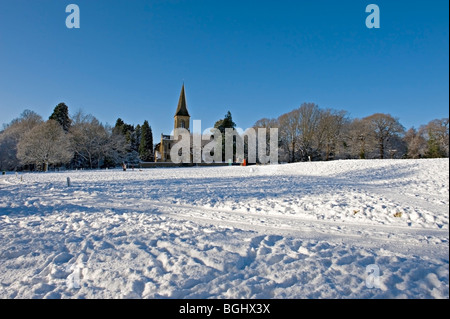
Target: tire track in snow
<point>408,199</point>
<point>424,241</point>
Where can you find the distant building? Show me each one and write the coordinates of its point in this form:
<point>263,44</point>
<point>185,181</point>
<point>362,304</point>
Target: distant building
<point>202,148</point>
<point>181,120</point>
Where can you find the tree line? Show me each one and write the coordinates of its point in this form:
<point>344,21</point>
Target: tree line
<point>76,142</point>
<point>307,133</point>
<point>311,133</point>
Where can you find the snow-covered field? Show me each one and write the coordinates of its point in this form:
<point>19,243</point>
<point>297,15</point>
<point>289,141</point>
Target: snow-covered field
<point>306,230</point>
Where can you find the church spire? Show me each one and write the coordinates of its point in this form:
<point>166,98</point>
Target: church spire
<point>182,107</point>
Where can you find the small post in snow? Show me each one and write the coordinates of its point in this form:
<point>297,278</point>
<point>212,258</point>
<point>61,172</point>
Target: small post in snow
<point>68,181</point>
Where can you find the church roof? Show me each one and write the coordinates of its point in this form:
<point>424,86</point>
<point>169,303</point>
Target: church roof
<point>182,107</point>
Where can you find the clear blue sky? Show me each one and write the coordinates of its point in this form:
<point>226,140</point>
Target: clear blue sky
<point>255,58</point>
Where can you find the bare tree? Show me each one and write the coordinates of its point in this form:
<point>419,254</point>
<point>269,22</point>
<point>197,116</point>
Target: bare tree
<point>95,143</point>
<point>384,128</point>
<point>358,139</point>
<point>329,131</point>
<point>11,135</point>
<point>398,148</point>
<point>416,144</point>
<point>45,144</point>
<point>306,131</point>
<point>308,122</point>
<point>289,132</point>
<point>89,138</point>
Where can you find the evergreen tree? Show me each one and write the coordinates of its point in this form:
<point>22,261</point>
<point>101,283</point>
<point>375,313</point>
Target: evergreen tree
<point>127,130</point>
<point>61,115</point>
<point>137,138</point>
<point>119,126</point>
<point>124,129</point>
<point>146,145</point>
<point>223,124</point>
<point>434,150</point>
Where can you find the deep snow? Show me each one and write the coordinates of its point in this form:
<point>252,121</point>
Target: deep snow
<point>305,230</point>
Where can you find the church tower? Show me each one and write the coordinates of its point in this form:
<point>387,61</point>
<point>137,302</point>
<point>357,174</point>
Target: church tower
<point>182,117</point>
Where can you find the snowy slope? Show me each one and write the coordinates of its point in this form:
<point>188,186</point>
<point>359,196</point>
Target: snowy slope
<point>306,230</point>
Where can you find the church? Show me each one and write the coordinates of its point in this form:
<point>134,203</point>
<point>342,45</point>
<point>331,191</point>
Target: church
<point>181,120</point>
<point>203,150</point>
